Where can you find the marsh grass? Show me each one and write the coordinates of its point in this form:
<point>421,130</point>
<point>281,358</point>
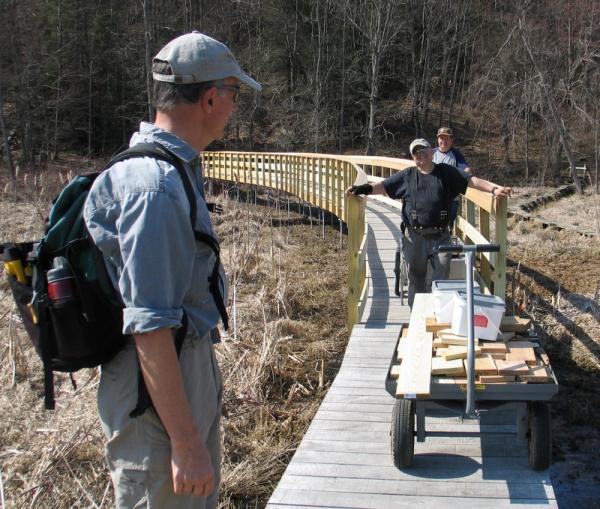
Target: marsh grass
<point>277,362</point>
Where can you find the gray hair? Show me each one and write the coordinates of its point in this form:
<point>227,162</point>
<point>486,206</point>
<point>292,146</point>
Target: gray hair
<point>168,95</point>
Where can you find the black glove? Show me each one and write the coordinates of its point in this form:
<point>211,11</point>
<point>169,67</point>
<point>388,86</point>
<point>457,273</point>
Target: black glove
<point>362,189</point>
<point>214,207</point>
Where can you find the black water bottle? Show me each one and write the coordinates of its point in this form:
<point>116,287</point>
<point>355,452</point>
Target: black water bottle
<point>61,283</point>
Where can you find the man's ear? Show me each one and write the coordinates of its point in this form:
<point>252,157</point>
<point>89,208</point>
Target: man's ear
<point>208,99</point>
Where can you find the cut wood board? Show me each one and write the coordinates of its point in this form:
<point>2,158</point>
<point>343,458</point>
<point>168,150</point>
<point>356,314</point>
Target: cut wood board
<point>496,379</point>
<point>439,343</point>
<point>432,324</point>
<point>441,366</point>
<point>537,374</point>
<point>457,352</point>
<point>395,371</point>
<point>520,351</point>
<point>449,338</point>
<point>484,365</point>
<point>515,324</point>
<point>493,347</point>
<point>512,367</point>
<point>415,376</point>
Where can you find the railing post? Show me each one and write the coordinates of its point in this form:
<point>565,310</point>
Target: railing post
<point>353,207</point>
<point>501,238</point>
<point>484,228</point>
<point>328,169</point>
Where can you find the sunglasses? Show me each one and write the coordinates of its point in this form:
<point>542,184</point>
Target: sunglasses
<point>233,88</point>
<point>418,151</point>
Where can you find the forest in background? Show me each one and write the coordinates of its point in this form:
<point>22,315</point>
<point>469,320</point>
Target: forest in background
<point>518,80</point>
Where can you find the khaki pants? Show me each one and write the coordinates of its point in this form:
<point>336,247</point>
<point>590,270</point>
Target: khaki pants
<point>138,450</point>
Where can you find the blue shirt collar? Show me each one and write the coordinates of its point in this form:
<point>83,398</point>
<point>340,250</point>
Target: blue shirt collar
<point>149,132</point>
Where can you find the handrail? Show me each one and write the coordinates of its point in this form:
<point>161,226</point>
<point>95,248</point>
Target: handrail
<point>321,179</point>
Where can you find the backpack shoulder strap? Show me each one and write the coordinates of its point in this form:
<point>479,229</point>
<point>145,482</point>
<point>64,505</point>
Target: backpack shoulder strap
<point>158,151</point>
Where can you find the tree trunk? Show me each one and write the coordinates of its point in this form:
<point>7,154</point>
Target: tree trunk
<point>526,144</point>
<point>596,147</point>
<point>148,48</point>
<point>9,159</point>
<point>58,81</point>
<point>453,91</point>
<point>557,119</point>
<point>372,102</point>
<point>343,90</point>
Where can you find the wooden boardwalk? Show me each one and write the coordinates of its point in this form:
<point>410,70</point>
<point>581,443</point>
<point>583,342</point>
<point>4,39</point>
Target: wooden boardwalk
<point>344,460</point>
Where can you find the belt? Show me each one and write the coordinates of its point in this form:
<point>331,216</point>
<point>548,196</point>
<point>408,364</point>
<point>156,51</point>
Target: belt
<point>429,230</point>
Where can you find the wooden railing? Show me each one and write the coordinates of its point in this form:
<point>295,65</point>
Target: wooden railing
<point>318,179</point>
<point>321,180</point>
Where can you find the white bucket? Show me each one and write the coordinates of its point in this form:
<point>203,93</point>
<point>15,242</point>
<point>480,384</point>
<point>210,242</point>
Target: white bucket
<point>443,297</point>
<point>488,312</point>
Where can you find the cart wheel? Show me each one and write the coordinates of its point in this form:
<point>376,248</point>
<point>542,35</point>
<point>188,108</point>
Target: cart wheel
<point>403,432</point>
<point>540,435</point>
<point>398,285</point>
<point>403,280</point>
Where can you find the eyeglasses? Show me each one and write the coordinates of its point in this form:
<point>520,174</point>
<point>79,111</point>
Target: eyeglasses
<point>419,151</point>
<point>234,88</point>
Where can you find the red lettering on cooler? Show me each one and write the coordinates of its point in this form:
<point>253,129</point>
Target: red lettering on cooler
<point>480,321</point>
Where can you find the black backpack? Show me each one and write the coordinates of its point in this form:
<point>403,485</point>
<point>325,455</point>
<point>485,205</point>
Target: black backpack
<point>86,330</point>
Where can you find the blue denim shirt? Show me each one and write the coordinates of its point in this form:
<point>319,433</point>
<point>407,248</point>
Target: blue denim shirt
<point>137,213</point>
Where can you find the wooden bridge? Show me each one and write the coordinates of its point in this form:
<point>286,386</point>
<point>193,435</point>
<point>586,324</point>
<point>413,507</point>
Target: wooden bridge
<point>345,459</point>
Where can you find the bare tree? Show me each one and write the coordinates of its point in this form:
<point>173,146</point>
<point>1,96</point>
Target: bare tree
<point>550,97</point>
<point>378,21</point>
<point>9,160</point>
<point>148,54</point>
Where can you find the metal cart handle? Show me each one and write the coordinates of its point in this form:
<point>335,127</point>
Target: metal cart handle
<point>460,248</point>
<point>469,250</point>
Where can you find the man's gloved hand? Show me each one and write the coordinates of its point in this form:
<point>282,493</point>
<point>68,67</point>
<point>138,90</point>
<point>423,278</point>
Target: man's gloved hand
<point>214,207</point>
<point>362,189</point>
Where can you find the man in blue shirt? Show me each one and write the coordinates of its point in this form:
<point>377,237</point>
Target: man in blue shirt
<point>446,153</point>
<point>138,215</point>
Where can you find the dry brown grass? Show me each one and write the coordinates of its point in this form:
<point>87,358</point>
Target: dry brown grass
<point>558,285</point>
<point>290,288</point>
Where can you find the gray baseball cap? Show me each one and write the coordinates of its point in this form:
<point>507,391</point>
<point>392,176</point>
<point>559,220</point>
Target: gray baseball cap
<point>197,58</point>
<point>419,143</point>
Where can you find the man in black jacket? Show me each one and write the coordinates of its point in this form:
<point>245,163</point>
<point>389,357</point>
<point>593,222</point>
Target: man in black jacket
<point>427,191</point>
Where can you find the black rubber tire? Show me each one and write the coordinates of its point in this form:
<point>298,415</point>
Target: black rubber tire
<point>403,280</point>
<point>398,286</point>
<point>403,432</point>
<point>539,435</point>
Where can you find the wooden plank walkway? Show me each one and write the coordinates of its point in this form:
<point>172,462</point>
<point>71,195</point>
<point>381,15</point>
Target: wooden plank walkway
<point>345,461</point>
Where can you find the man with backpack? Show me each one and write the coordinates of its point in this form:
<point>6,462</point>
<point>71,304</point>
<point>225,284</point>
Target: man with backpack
<point>427,191</point>
<point>151,224</point>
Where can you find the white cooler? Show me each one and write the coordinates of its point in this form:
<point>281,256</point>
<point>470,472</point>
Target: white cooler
<point>488,312</point>
<point>443,297</point>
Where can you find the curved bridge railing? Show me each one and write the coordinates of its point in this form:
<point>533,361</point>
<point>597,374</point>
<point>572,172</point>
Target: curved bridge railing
<point>321,179</point>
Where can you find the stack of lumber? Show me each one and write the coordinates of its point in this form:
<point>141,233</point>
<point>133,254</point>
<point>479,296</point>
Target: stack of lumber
<point>516,357</point>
